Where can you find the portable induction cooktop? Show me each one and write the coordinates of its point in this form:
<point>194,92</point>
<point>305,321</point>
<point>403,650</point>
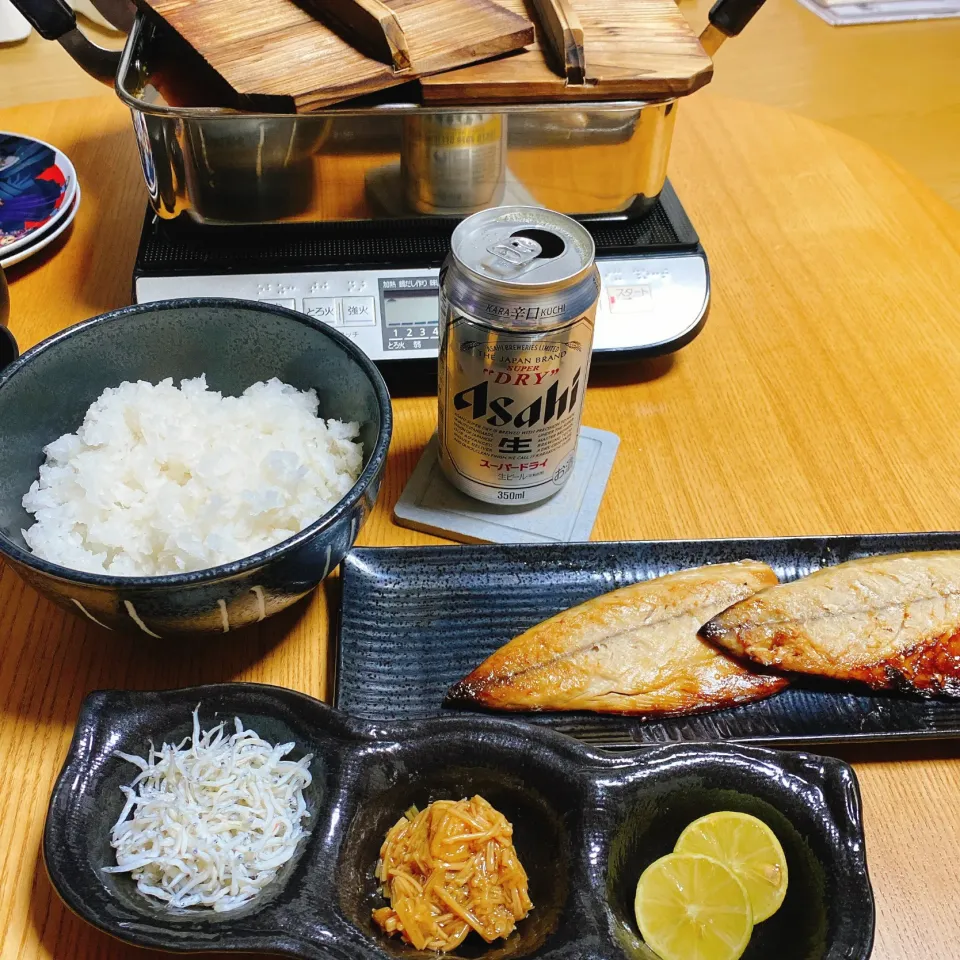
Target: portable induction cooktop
<point>376,280</point>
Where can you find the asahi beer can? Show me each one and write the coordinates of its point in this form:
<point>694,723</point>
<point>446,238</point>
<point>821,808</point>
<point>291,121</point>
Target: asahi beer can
<point>453,163</point>
<point>518,298</point>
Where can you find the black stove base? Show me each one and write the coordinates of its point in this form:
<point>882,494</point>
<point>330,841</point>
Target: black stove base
<point>182,247</point>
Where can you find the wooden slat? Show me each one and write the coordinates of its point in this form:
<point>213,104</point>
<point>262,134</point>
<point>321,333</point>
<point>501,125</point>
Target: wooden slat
<point>634,49</point>
<point>276,48</point>
<point>370,25</point>
<point>445,33</point>
<point>258,45</point>
<point>563,33</point>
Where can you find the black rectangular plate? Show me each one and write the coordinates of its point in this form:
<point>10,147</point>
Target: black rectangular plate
<point>417,619</point>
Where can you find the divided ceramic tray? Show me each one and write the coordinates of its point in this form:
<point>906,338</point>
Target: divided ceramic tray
<point>416,620</point>
<point>586,824</point>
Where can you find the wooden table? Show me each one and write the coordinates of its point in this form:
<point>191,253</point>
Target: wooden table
<point>894,85</point>
<point>821,397</point>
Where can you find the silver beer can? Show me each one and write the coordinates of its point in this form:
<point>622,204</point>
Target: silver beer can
<point>518,298</point>
<point>453,163</point>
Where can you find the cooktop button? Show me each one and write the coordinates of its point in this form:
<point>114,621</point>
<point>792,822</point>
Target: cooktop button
<point>359,312</point>
<point>323,308</point>
<point>637,298</point>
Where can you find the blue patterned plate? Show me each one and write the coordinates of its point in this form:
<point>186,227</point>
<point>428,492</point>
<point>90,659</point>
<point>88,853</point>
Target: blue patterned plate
<point>37,187</point>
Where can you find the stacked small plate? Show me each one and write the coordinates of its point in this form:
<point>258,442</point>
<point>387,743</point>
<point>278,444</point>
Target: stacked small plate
<point>39,196</point>
<point>14,27</point>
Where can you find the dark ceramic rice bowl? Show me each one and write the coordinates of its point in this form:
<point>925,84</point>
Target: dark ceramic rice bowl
<point>235,343</point>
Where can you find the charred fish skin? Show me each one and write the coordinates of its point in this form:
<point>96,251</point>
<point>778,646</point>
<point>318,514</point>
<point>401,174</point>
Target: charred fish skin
<point>632,651</point>
<point>890,622</point>
<point>931,671</point>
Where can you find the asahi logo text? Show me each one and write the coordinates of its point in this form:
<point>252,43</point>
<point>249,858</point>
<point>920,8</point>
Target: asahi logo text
<point>547,407</point>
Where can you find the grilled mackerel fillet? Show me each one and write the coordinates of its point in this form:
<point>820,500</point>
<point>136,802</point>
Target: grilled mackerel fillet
<point>634,650</point>
<point>892,622</point>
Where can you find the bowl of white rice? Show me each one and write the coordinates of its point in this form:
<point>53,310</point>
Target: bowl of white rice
<point>188,466</point>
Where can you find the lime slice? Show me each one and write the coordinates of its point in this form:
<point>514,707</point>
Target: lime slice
<point>693,908</point>
<point>749,848</point>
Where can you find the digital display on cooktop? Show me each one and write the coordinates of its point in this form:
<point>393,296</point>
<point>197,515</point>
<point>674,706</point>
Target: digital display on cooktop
<point>410,310</point>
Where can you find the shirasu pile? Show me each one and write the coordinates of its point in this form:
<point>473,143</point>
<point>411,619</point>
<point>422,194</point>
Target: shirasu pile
<point>214,817</point>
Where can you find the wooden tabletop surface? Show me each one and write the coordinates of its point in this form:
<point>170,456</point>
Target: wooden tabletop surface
<point>821,397</point>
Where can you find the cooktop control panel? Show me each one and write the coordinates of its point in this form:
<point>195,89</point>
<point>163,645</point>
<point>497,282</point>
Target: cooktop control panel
<point>648,305</point>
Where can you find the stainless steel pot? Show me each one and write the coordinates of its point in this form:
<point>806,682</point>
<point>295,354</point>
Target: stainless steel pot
<point>207,159</point>
<point>218,165</point>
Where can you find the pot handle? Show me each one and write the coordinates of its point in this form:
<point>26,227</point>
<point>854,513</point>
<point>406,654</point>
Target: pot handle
<point>55,20</point>
<point>50,18</point>
<point>727,19</point>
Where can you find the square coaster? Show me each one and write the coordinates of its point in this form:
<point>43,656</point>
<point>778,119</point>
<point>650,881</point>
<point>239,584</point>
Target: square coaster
<point>431,503</point>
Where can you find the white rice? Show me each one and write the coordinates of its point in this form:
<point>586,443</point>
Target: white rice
<point>161,479</point>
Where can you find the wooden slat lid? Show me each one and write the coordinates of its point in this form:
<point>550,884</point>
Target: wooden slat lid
<point>632,49</point>
<point>276,48</point>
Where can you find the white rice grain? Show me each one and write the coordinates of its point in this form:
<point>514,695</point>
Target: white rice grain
<point>162,479</point>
